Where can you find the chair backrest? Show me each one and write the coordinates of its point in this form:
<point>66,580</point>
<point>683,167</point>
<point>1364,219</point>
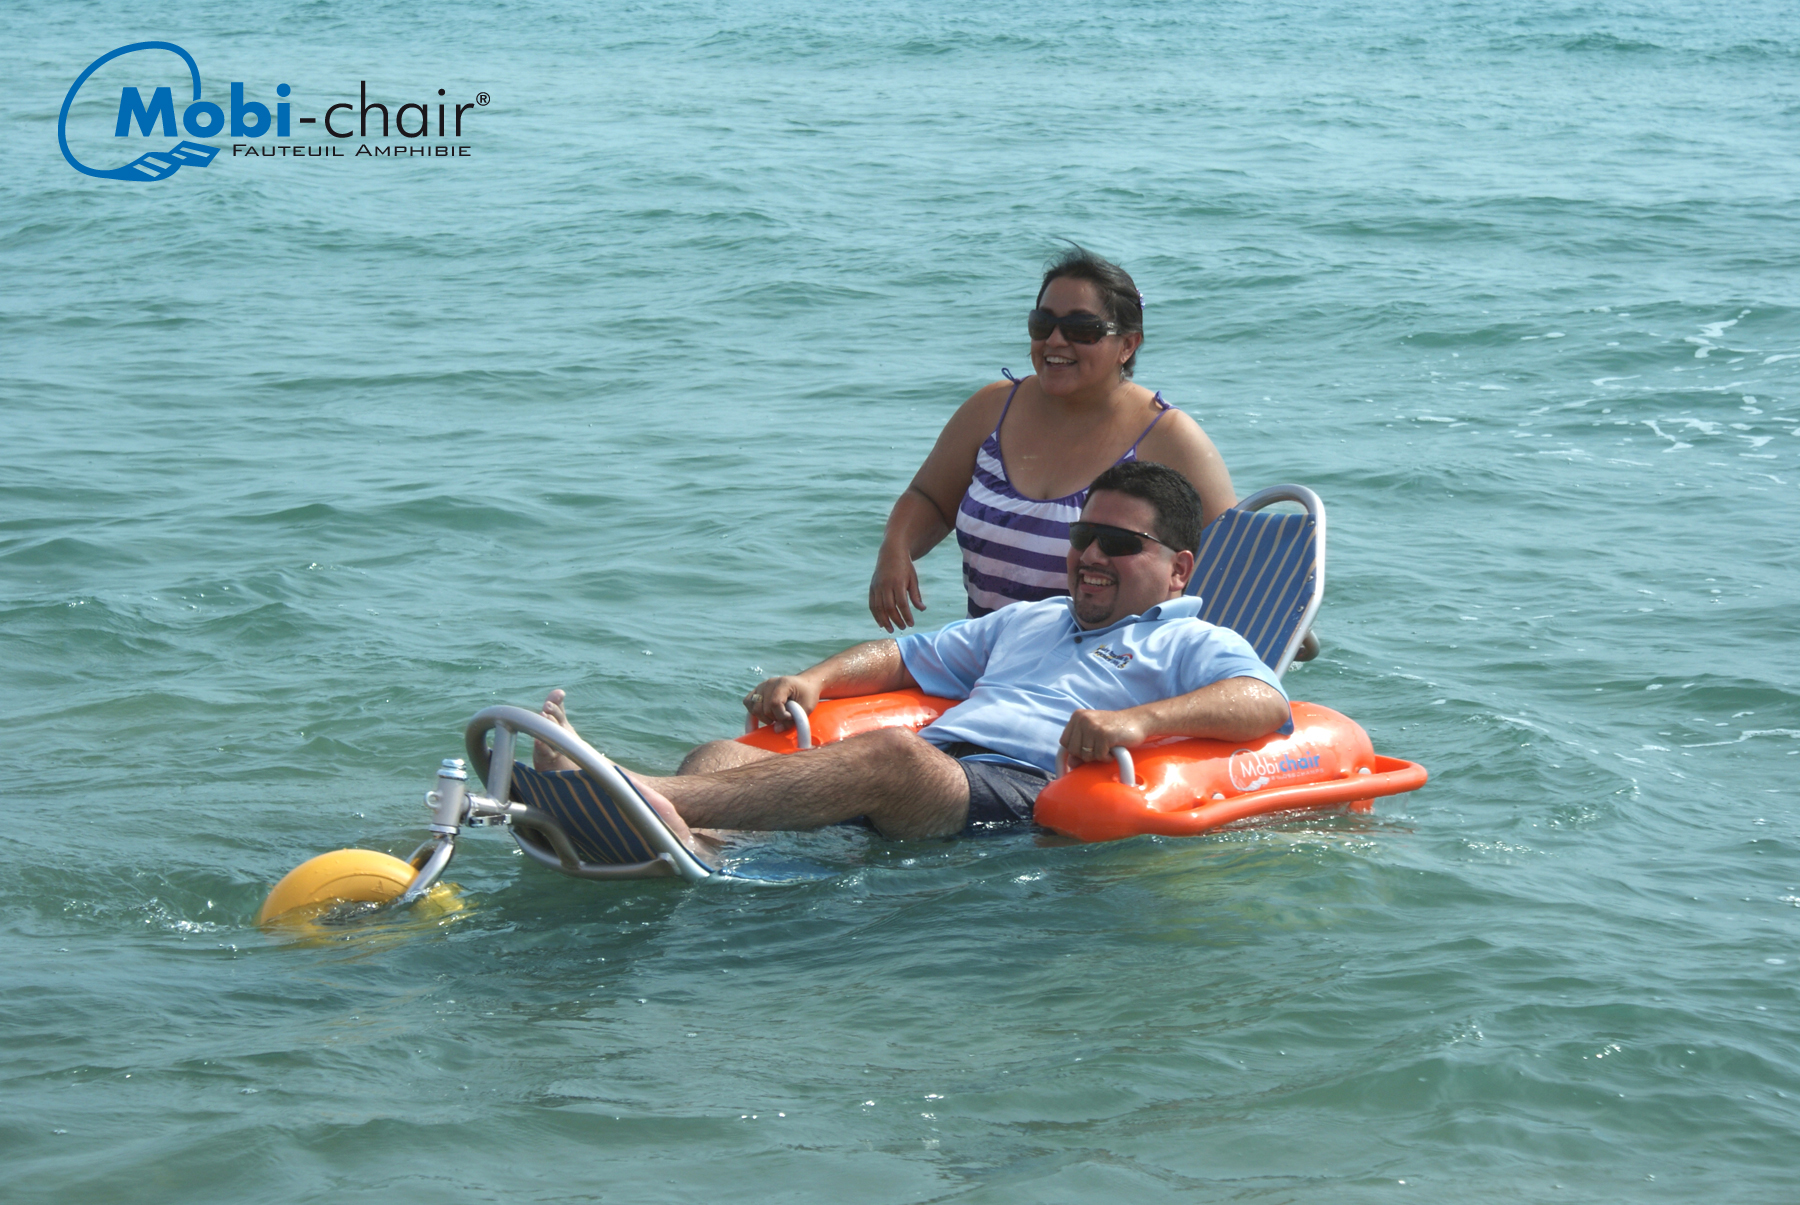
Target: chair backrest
<point>1263,575</point>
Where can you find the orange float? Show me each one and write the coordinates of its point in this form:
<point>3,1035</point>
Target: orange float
<point>1180,785</point>
<point>837,719</point>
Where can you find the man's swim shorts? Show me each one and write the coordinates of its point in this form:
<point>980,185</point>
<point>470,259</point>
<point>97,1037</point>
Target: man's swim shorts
<point>999,792</point>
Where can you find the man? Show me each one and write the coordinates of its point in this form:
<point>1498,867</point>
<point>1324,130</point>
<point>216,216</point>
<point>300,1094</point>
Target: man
<point>1124,659</point>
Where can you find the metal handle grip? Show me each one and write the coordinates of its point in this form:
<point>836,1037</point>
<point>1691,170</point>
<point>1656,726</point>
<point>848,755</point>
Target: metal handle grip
<point>1127,771</point>
<point>1121,757</point>
<point>802,724</point>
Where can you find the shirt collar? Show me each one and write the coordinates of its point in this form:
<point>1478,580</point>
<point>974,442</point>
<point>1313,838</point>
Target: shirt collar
<point>1186,606</point>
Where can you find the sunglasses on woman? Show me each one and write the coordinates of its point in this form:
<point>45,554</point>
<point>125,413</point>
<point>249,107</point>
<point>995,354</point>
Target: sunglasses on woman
<point>1076,328</point>
<point>1114,541</point>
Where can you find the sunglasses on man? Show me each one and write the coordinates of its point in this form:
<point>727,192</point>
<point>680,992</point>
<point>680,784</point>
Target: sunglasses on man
<point>1114,541</point>
<point>1076,328</point>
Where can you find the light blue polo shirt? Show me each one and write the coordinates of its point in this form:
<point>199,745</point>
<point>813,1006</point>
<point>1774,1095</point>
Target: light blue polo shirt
<point>1023,670</point>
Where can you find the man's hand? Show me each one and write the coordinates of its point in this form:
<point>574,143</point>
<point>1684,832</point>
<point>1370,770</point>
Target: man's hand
<point>768,702</point>
<point>1235,709</point>
<point>1091,735</point>
<point>863,669</point>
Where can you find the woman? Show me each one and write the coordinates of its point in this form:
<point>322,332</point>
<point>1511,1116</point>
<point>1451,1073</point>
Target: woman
<point>1010,470</point>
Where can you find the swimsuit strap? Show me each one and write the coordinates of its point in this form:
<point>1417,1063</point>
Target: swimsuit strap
<point>1010,393</point>
<point>1158,399</point>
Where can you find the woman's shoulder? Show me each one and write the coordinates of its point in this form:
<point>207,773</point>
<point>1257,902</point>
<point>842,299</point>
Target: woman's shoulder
<point>1175,428</point>
<point>981,413</point>
<point>1178,442</point>
<point>947,470</point>
<point>994,394</point>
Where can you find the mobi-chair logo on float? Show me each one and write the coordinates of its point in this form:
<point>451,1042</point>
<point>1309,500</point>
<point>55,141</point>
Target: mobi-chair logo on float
<point>156,115</point>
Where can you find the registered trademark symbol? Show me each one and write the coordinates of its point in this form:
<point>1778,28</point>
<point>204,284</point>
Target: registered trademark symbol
<point>482,98</point>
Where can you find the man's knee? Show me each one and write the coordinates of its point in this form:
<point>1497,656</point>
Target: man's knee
<point>900,745</point>
<point>928,794</point>
<point>715,756</point>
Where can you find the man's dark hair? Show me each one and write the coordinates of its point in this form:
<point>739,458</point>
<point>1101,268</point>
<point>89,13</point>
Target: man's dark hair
<point>1123,303</point>
<point>1177,505</point>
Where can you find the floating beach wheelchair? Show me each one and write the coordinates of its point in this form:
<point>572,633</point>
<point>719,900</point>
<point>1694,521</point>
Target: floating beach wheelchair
<point>1260,572</point>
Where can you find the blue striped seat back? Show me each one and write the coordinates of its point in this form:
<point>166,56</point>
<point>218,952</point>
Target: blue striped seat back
<point>597,830</point>
<point>1257,573</point>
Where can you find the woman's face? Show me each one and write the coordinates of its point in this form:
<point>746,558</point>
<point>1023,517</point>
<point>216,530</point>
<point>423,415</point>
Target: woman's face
<point>1066,368</point>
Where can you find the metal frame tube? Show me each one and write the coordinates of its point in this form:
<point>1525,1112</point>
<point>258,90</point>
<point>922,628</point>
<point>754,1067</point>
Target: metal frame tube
<point>428,874</point>
<point>498,775</point>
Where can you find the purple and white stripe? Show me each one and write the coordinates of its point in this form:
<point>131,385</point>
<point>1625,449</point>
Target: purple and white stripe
<point>1015,549</point>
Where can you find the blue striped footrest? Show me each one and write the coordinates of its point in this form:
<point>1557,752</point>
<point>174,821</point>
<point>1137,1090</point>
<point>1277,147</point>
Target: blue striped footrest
<point>595,826</point>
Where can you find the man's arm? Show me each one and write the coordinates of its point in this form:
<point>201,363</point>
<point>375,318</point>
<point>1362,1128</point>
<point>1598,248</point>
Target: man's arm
<point>1234,709</point>
<point>865,669</point>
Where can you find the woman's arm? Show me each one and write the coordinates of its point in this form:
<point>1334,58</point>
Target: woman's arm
<point>926,512</point>
<point>1179,443</point>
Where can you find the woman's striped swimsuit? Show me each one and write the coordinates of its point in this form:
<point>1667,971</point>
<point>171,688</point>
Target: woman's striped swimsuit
<point>1014,548</point>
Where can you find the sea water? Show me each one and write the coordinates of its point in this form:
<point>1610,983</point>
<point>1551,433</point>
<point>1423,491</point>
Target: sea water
<point>309,458</point>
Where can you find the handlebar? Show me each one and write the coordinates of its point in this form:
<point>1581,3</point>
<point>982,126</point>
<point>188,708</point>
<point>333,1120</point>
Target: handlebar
<point>802,724</point>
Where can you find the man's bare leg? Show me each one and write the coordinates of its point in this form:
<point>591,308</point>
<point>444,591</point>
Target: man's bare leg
<point>904,785</point>
<point>716,756</point>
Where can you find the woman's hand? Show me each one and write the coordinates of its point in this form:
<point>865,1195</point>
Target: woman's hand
<point>767,704</point>
<point>894,586</point>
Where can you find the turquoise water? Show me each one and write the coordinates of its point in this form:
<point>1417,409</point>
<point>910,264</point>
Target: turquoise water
<point>310,459</point>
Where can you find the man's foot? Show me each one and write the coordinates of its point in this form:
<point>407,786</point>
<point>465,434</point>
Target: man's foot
<point>544,755</point>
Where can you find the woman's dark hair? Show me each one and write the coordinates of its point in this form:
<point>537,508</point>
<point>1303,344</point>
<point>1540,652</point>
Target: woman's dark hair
<point>1177,505</point>
<point>1124,304</point>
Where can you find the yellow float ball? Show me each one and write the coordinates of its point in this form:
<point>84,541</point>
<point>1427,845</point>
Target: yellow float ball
<point>342,876</point>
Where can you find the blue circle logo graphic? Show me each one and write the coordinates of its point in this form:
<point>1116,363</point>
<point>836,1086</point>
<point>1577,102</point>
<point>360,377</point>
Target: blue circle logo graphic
<point>202,119</point>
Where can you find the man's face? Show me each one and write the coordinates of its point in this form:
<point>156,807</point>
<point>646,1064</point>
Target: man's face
<point>1107,589</point>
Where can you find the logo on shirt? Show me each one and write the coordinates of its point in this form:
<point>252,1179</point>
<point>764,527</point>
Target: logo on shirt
<point>1113,657</point>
